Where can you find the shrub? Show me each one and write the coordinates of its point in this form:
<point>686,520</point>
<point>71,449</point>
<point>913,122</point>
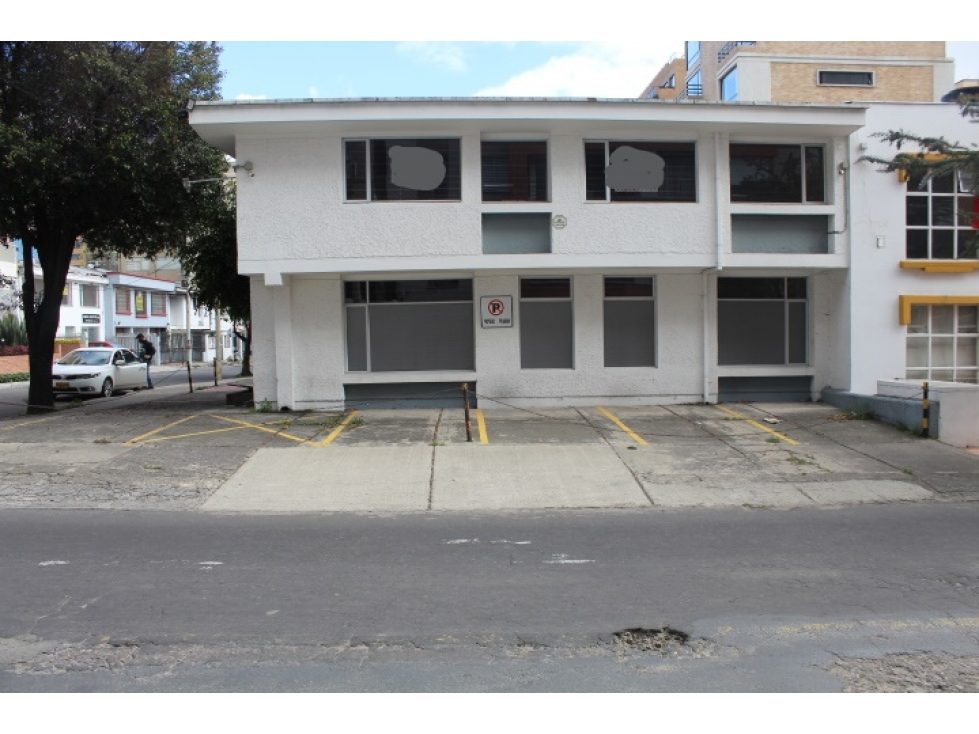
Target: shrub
<point>13,351</point>
<point>13,331</point>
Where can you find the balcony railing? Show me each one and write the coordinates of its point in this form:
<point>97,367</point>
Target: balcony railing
<point>729,47</point>
<point>692,90</point>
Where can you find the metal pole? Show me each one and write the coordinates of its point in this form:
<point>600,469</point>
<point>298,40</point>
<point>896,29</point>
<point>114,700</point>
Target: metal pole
<point>190,379</point>
<point>925,413</point>
<point>465,404</point>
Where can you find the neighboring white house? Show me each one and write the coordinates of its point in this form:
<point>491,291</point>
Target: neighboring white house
<point>568,252</point>
<point>82,305</point>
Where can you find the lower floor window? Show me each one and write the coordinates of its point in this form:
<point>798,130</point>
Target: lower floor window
<point>942,343</point>
<point>409,325</point>
<point>762,321</point>
<point>629,322</point>
<point>546,323</point>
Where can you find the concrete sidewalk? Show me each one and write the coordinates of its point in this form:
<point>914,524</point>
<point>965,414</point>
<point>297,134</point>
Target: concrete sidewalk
<point>493,478</point>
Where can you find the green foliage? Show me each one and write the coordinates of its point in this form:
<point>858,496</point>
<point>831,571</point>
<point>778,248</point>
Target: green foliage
<point>93,145</point>
<point>934,156</point>
<point>13,332</point>
<point>15,377</point>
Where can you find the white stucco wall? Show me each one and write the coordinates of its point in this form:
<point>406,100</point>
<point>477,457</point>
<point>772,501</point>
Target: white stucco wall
<point>877,338</point>
<point>299,240</point>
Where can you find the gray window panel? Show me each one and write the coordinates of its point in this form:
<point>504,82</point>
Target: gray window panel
<point>780,234</point>
<point>424,336</point>
<point>750,332</point>
<point>630,336</point>
<point>356,338</point>
<point>546,335</point>
<point>516,234</point>
<point>797,333</point>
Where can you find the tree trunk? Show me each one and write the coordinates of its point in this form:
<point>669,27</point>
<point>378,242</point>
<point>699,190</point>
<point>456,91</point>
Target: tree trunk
<point>246,355</point>
<point>42,321</point>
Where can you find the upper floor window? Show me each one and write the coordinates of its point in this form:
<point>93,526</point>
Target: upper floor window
<point>403,169</point>
<point>158,304</point>
<point>514,171</point>
<point>939,221</point>
<point>123,300</point>
<point>846,78</point>
<point>777,173</point>
<point>90,295</point>
<point>66,295</point>
<point>618,170</point>
<point>692,53</point>
<point>140,303</point>
<point>729,86</point>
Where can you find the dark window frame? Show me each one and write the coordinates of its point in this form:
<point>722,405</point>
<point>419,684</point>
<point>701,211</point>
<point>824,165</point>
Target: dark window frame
<point>674,147</point>
<point>810,175</point>
<point>788,290</point>
<point>839,83</point>
<point>523,181</point>
<point>373,168</point>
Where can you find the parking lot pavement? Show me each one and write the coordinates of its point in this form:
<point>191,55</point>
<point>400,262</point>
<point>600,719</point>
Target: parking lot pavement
<point>170,449</point>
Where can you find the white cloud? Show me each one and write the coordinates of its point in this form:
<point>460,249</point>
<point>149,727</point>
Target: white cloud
<point>437,53</point>
<point>590,70</point>
<point>251,96</point>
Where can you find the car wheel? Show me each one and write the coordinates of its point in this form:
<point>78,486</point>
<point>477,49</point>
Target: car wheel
<point>107,388</point>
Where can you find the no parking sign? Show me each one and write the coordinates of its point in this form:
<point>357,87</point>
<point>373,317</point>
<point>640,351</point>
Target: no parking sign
<point>496,311</point>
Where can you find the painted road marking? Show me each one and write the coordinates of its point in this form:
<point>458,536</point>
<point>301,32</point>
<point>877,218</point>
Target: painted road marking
<point>27,423</point>
<point>481,422</point>
<point>338,430</point>
<point>158,430</point>
<point>756,424</point>
<point>632,434</point>
<point>197,433</point>
<point>259,427</point>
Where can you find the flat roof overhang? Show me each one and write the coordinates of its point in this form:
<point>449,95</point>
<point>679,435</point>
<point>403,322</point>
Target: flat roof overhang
<point>220,123</point>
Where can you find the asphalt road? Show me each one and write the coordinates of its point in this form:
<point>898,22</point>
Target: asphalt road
<point>877,597</point>
<point>13,397</point>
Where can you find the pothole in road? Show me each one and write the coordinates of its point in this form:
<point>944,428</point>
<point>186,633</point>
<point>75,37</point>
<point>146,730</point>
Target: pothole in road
<point>662,640</point>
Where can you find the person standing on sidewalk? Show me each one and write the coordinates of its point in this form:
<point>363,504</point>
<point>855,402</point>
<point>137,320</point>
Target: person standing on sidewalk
<point>146,353</point>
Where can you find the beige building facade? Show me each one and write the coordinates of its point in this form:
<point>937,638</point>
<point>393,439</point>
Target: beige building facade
<point>824,72</point>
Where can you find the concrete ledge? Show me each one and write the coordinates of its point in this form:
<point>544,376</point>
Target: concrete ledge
<point>895,411</point>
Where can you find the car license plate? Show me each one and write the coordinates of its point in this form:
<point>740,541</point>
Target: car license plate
<point>61,385</point>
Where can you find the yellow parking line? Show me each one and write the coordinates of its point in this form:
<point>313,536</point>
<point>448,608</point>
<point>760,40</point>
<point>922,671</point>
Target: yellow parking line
<point>481,422</point>
<point>756,424</point>
<point>632,434</point>
<point>161,428</point>
<point>198,433</point>
<point>27,423</point>
<point>338,430</point>
<point>259,427</point>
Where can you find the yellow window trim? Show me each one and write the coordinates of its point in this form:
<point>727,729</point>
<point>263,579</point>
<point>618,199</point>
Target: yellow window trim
<point>904,177</point>
<point>941,266</point>
<point>906,302</point>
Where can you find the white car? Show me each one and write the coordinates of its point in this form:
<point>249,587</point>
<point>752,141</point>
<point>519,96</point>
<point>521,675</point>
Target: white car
<point>98,371</point>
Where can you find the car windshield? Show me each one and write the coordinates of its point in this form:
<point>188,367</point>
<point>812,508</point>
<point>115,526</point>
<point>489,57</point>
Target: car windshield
<point>86,356</point>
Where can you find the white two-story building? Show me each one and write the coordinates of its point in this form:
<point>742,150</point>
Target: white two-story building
<point>560,251</point>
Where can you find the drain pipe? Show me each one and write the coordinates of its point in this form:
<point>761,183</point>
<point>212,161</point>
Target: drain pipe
<point>720,164</point>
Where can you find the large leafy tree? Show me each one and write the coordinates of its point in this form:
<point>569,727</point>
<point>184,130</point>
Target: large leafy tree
<point>207,255</point>
<point>94,144</point>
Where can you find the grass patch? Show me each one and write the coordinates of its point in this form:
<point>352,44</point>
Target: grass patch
<point>800,461</point>
<point>908,471</point>
<point>16,377</point>
<point>860,413</point>
<point>262,406</point>
<point>773,439</point>
<point>101,440</point>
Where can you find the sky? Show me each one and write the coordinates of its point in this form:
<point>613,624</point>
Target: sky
<point>290,70</point>
<point>290,49</point>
